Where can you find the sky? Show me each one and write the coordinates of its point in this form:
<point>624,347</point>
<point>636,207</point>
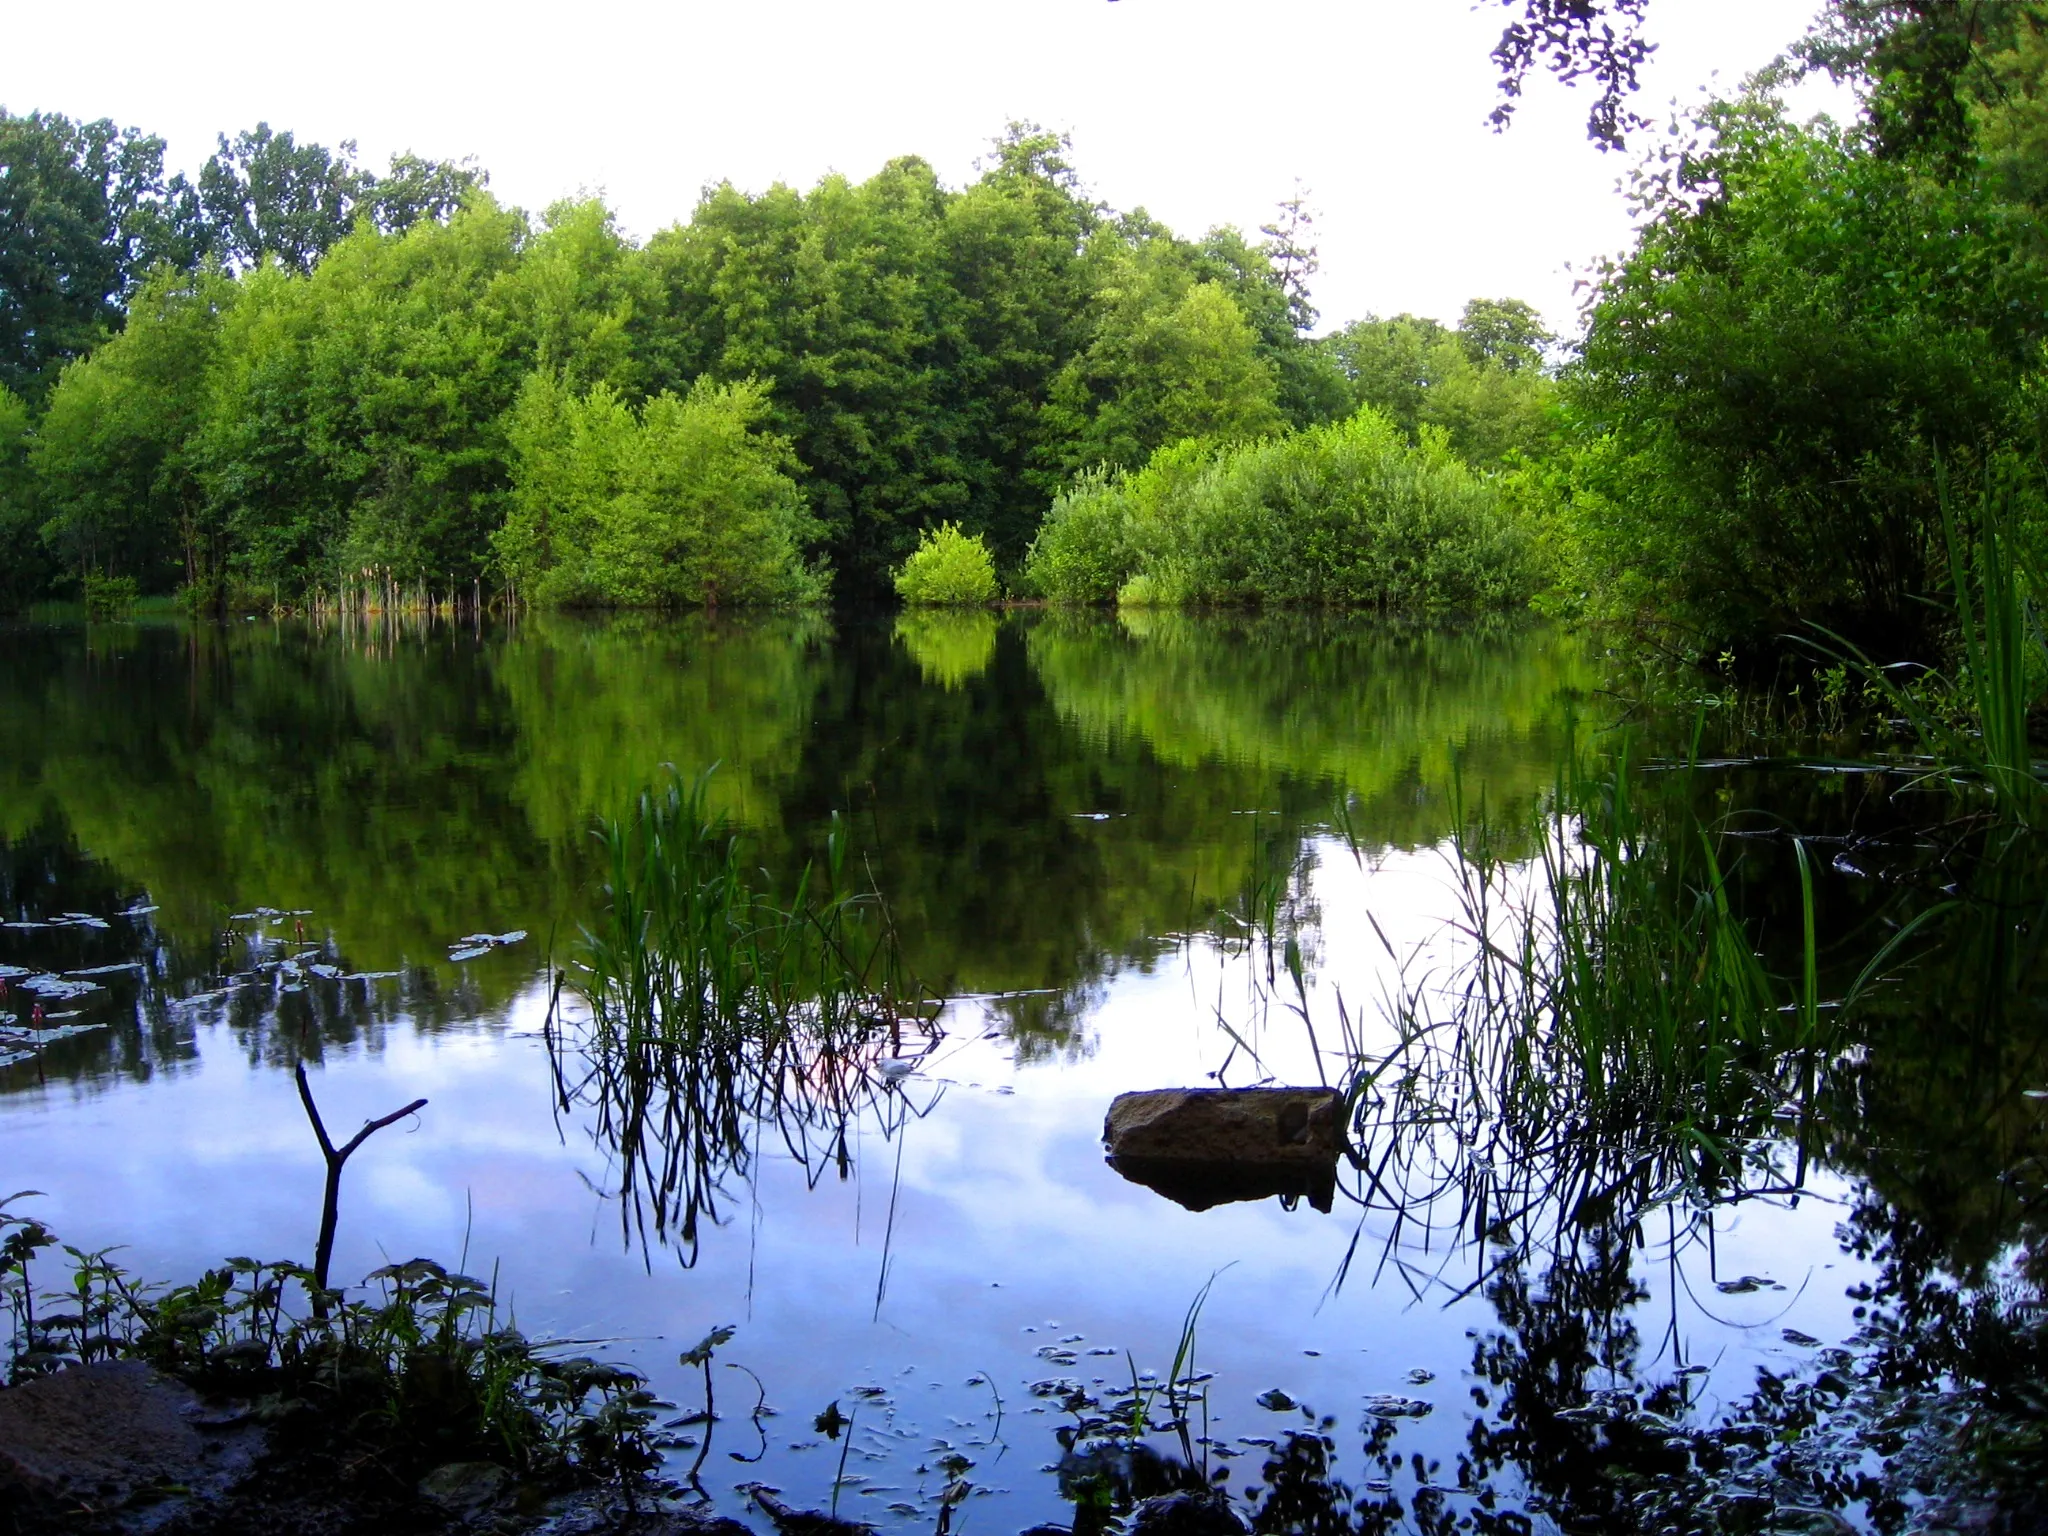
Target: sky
<point>1203,112</point>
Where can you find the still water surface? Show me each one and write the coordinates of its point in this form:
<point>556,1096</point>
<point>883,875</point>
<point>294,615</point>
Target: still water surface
<point>1061,813</point>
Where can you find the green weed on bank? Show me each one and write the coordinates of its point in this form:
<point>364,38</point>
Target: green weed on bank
<point>421,1367</point>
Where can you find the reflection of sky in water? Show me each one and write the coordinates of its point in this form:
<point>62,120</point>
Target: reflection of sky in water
<point>1006,1234</point>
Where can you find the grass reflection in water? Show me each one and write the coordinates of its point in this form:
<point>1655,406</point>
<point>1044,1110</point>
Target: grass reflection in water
<point>713,1010</point>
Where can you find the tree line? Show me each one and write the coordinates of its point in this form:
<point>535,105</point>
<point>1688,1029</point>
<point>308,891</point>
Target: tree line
<point>294,378</point>
<point>297,375</point>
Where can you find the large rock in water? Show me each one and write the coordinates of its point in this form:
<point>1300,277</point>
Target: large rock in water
<point>1202,1147</point>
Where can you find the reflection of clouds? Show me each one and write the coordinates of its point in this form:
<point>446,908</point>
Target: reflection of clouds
<point>1005,1218</point>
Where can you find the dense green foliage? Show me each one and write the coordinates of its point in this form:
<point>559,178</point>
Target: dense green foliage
<point>948,569</point>
<point>87,214</point>
<point>1778,370</point>
<point>1482,384</point>
<point>1813,319</point>
<point>300,383</point>
<point>295,381</point>
<point>1352,515</point>
<point>680,504</point>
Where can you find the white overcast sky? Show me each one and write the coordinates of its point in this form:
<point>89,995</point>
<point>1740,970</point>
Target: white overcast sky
<point>1202,111</point>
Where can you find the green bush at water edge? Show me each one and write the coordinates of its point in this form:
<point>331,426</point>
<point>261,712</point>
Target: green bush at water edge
<point>1349,515</point>
<point>684,502</point>
<point>948,569</point>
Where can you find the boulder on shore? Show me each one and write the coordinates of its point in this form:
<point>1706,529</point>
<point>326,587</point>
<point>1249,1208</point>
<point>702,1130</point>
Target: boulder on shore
<point>94,1437</point>
<point>1202,1147</point>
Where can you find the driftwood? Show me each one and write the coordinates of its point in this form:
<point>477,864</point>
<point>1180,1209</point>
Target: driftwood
<point>330,1205</point>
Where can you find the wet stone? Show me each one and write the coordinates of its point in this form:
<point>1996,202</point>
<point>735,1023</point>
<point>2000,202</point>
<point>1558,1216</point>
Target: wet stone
<point>466,1486</point>
<point>1246,1125</point>
<point>1186,1514</point>
<point>1389,1405</point>
<point>97,1434</point>
<point>1204,1147</point>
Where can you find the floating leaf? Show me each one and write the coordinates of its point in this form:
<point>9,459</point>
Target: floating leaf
<point>1389,1405</point>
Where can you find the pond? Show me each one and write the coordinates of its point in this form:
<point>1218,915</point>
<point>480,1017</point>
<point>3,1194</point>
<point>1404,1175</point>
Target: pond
<point>228,850</point>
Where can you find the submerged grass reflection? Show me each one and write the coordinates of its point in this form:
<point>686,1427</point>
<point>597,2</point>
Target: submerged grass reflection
<point>1608,1038</point>
<point>713,1010</point>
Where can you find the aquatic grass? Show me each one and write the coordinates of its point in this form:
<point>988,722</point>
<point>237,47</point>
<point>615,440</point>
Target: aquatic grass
<point>715,1008</point>
<point>1975,728</point>
<point>1609,1038</point>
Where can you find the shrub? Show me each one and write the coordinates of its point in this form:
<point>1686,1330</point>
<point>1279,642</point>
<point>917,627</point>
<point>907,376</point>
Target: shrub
<point>947,569</point>
<point>109,597</point>
<point>1083,552</point>
<point>1349,515</point>
<point>683,503</point>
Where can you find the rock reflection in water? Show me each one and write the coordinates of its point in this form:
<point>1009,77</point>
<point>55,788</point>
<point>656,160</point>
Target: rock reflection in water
<point>1200,1184</point>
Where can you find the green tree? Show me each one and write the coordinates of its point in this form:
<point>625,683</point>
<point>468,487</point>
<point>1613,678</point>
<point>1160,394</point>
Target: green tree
<point>1480,384</point>
<point>85,212</point>
<point>266,194</point>
<point>1172,356</point>
<point>837,300</point>
<point>415,188</point>
<point>1294,257</point>
<point>24,569</point>
<point>354,420</point>
<point>116,480</point>
<point>574,293</point>
<point>684,503</point>
<point>1804,326</point>
<point>1013,247</point>
<point>1505,332</point>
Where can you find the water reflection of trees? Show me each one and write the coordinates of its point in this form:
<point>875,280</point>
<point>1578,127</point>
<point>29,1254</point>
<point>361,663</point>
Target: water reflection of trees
<point>1065,800</point>
<point>1385,713</point>
<point>286,992</point>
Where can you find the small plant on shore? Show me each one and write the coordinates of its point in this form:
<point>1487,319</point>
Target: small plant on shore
<point>422,1367</point>
<point>948,569</point>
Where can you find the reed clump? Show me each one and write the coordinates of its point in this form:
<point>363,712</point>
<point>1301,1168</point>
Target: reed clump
<point>713,1007</point>
<point>1610,1034</point>
<point>1974,727</point>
